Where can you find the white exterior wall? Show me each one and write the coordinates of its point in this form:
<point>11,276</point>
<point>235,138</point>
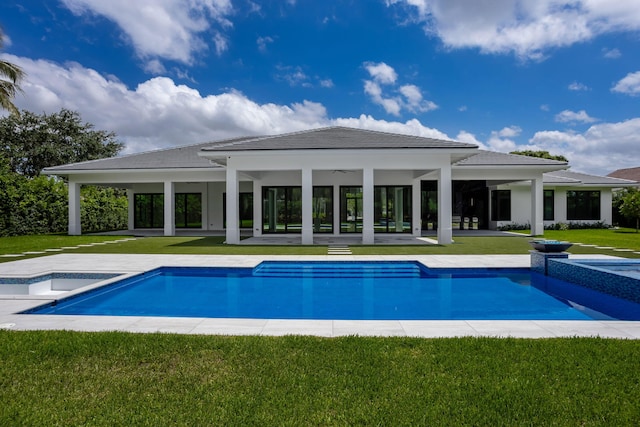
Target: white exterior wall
<point>521,205</point>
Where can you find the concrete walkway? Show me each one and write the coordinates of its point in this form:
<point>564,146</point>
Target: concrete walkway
<point>131,264</point>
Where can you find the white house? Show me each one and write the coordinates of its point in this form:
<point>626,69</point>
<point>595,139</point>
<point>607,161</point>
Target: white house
<point>339,181</point>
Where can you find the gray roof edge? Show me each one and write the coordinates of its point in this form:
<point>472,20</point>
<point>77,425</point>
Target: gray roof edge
<point>220,144</point>
<point>600,179</point>
<point>530,160</point>
<point>118,170</point>
<point>142,153</point>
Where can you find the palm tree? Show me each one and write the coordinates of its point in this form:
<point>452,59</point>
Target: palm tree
<point>10,76</point>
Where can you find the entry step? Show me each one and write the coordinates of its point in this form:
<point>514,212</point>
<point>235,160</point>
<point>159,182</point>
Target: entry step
<point>338,250</point>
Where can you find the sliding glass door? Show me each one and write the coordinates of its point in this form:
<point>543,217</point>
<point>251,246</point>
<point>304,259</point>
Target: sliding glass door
<point>392,209</point>
<point>281,209</point>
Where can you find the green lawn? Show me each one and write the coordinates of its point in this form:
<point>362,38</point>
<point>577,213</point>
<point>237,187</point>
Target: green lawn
<point>623,239</point>
<point>71,378</point>
<point>50,378</point>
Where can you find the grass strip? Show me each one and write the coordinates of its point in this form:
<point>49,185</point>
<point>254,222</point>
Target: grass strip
<point>73,378</point>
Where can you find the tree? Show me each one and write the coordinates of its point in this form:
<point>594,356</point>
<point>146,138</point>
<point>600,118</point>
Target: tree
<point>630,206</point>
<point>32,142</point>
<point>34,204</point>
<point>541,154</point>
<point>10,77</point>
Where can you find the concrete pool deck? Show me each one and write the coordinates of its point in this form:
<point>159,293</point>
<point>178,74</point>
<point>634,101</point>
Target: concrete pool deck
<point>126,263</point>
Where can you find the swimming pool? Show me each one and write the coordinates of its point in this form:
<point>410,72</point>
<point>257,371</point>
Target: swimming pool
<point>346,290</point>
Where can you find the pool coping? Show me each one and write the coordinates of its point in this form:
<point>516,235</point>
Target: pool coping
<point>130,264</point>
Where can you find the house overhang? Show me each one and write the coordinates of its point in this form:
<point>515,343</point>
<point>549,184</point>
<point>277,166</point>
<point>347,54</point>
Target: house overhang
<point>331,159</point>
<point>123,177</point>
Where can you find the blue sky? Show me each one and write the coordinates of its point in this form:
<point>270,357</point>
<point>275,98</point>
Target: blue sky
<point>556,75</point>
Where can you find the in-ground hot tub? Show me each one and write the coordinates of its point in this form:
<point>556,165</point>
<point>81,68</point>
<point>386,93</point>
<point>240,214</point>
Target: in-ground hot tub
<point>618,277</point>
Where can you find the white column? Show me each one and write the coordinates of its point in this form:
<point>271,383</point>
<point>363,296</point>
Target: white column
<point>367,206</point>
<point>560,205</point>
<point>307,206</point>
<point>606,201</point>
<point>336,210</point>
<point>169,209</point>
<point>416,208</point>
<point>257,208</point>
<point>233,231</point>
<point>537,207</point>
<point>445,234</point>
<point>398,207</point>
<point>131,209</point>
<point>204,213</point>
<point>74,209</point>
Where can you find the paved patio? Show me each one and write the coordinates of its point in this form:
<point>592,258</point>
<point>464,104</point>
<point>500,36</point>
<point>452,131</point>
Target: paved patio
<point>131,264</point>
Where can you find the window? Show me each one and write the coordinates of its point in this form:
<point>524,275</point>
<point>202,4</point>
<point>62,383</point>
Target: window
<point>583,205</point>
<point>323,209</point>
<point>350,209</point>
<point>392,209</point>
<point>188,210</point>
<point>501,205</point>
<point>548,205</point>
<point>282,209</point>
<point>148,210</point>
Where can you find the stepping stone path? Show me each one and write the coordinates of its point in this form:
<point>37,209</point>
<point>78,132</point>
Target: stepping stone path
<point>87,245</point>
<point>611,248</point>
<point>338,250</point>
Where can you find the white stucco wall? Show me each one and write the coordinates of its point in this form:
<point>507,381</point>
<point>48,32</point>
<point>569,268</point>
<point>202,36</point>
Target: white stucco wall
<point>521,204</point>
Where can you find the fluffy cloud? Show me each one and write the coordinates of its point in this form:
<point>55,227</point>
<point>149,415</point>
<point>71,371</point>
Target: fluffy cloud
<point>617,141</point>
<point>158,113</point>
<point>629,85</point>
<point>381,73</point>
<point>407,97</point>
<point>524,27</point>
<point>568,116</point>
<point>168,29</point>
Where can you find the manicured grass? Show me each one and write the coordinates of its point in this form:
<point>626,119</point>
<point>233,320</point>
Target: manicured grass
<point>19,244</point>
<point>623,239</point>
<point>71,378</point>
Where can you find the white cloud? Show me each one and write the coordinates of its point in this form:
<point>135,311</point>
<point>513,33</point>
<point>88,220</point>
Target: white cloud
<point>629,85</point>
<point>469,138</point>
<point>390,105</point>
<point>328,83</point>
<point>611,53</point>
<point>5,40</point>
<point>601,149</point>
<point>410,127</point>
<point>544,107</point>
<point>568,116</point>
<point>410,95</point>
<point>159,113</point>
<point>167,29</point>
<point>502,140</point>
<point>508,132</point>
<point>526,28</point>
<point>262,43</point>
<point>155,67</point>
<point>575,86</point>
<point>381,73</point>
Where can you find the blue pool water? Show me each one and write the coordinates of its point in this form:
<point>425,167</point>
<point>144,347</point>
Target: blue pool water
<point>347,290</point>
